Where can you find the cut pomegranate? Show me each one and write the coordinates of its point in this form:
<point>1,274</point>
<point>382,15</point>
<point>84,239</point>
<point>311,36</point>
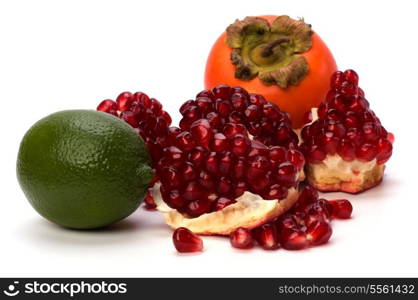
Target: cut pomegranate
<point>241,238</point>
<point>346,135</point>
<point>186,241</point>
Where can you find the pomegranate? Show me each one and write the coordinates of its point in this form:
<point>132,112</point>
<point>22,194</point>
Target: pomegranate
<point>234,162</point>
<point>346,146</point>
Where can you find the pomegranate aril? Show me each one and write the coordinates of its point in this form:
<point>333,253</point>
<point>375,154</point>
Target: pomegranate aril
<point>142,98</point>
<point>197,156</point>
<point>239,169</point>
<point>337,79</point>
<point>346,150</point>
<point>351,77</point>
<point>188,172</point>
<point>129,117</point>
<point>221,203</point>
<point>174,155</point>
<point>258,148</point>
<point>275,192</point>
<point>239,101</point>
<point>320,207</point>
<point>296,158</point>
<point>107,106</point>
<point>198,207</point>
<point>214,120</point>
<point>240,188</point>
<point>293,239</point>
<point>223,107</point>
<point>278,154</point>
<point>211,163</point>
<point>226,162</point>
<point>224,186</point>
<point>149,199</point>
<point>252,112</point>
<point>239,145</point>
<point>204,103</point>
<point>219,143</point>
<point>257,100</point>
<point>184,141</point>
<point>384,148</point>
<point>186,241</point>
<point>186,105</point>
<point>366,152</point>
<point>192,191</point>
<point>170,177</point>
<point>232,129</point>
<point>241,238</point>
<point>267,236</point>
<point>205,180</point>
<point>341,208</point>
<point>221,91</point>
<point>174,199</point>
<point>371,131</point>
<point>308,195</point>
<point>286,174</point>
<point>124,100</point>
<point>319,233</point>
<point>201,132</point>
<point>257,166</point>
<point>259,184</point>
<point>315,154</point>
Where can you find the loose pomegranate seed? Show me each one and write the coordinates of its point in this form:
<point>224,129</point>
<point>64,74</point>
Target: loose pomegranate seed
<point>308,195</point>
<point>293,239</point>
<point>124,100</point>
<point>186,241</point>
<point>341,208</point>
<point>241,238</point>
<point>318,233</point>
<point>267,236</point>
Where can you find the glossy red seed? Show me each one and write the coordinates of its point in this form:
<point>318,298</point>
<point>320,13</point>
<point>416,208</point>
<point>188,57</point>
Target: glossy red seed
<point>224,186</point>
<point>204,104</point>
<point>221,203</point>
<point>186,105</point>
<point>197,156</point>
<point>232,129</point>
<point>278,154</point>
<point>206,181</point>
<point>319,233</point>
<point>201,132</point>
<point>206,93</point>
<point>107,106</point>
<point>346,149</point>
<point>186,241</point>
<point>315,154</point>
<point>275,192</point>
<point>239,101</point>
<point>384,148</point>
<point>174,199</point>
<point>366,152</point>
<point>211,163</point>
<point>252,112</point>
<point>341,208</point>
<point>174,155</point>
<point>239,189</point>
<point>129,117</point>
<point>239,169</point>
<point>241,238</point>
<point>259,184</point>
<point>258,148</point>
<point>192,191</point>
<point>188,172</point>
<point>293,238</point>
<point>351,76</point>
<point>257,100</point>
<point>198,207</point>
<point>184,141</point>
<point>170,177</point>
<point>308,195</point>
<point>286,174</point>
<point>226,162</point>
<point>156,106</point>
<point>149,199</point>
<point>257,166</point>
<point>221,91</point>
<point>124,100</point>
<point>267,236</point>
<point>219,143</point>
<point>142,98</point>
<point>223,107</point>
<point>239,144</point>
<point>351,119</point>
<point>296,158</point>
<point>214,120</point>
<point>320,207</point>
<point>337,79</point>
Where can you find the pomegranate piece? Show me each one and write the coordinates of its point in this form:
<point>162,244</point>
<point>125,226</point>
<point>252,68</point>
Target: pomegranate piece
<point>341,208</point>
<point>267,236</point>
<point>346,128</point>
<point>186,241</point>
<point>241,238</point>
<point>213,157</point>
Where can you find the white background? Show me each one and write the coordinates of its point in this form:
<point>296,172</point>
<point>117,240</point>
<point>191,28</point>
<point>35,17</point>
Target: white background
<point>57,55</point>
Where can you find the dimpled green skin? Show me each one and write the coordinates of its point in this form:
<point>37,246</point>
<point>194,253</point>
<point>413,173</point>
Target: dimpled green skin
<point>83,169</point>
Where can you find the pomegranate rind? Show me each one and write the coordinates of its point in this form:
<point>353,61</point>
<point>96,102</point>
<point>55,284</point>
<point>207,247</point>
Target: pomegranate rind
<point>334,174</point>
<point>249,211</point>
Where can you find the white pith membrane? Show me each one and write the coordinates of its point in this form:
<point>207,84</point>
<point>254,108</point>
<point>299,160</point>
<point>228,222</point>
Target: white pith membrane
<point>336,174</point>
<point>249,211</point>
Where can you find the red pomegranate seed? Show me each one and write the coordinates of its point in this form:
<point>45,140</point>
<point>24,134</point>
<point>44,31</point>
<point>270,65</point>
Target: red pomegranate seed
<point>221,91</point>
<point>267,236</point>
<point>278,155</point>
<point>201,132</point>
<point>170,177</point>
<point>286,174</point>
<point>240,188</point>
<point>275,192</point>
<point>107,106</point>
<point>320,207</point>
<point>231,129</point>
<point>366,152</point>
<point>206,180</point>
<point>318,233</point>
<point>204,104</point>
<point>391,137</point>
<point>175,200</point>
<point>186,241</point>
<point>384,147</point>
<point>258,148</point>
<point>239,101</point>
<point>252,112</point>
<point>206,93</point>
<point>257,166</point>
<point>239,145</point>
<point>192,191</point>
<point>211,163</point>
<point>293,239</point>
<point>225,162</point>
<point>184,141</point>
<point>337,79</point>
<point>259,184</point>
<point>224,186</point>
<point>214,119</point>
<point>219,143</point>
<point>239,169</point>
<point>186,105</point>
<point>346,150</point>
<point>149,199</point>
<point>198,207</point>
<point>124,100</point>
<point>142,98</point>
<point>129,117</point>
<point>188,172</point>
<point>222,202</point>
<point>341,208</point>
<point>257,100</point>
<point>296,158</point>
<point>308,195</point>
<point>241,238</point>
<point>351,76</point>
<point>223,107</point>
<point>197,155</point>
<point>315,154</point>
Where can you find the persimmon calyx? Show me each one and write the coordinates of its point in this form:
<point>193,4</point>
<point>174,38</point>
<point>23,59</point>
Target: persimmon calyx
<point>270,51</point>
